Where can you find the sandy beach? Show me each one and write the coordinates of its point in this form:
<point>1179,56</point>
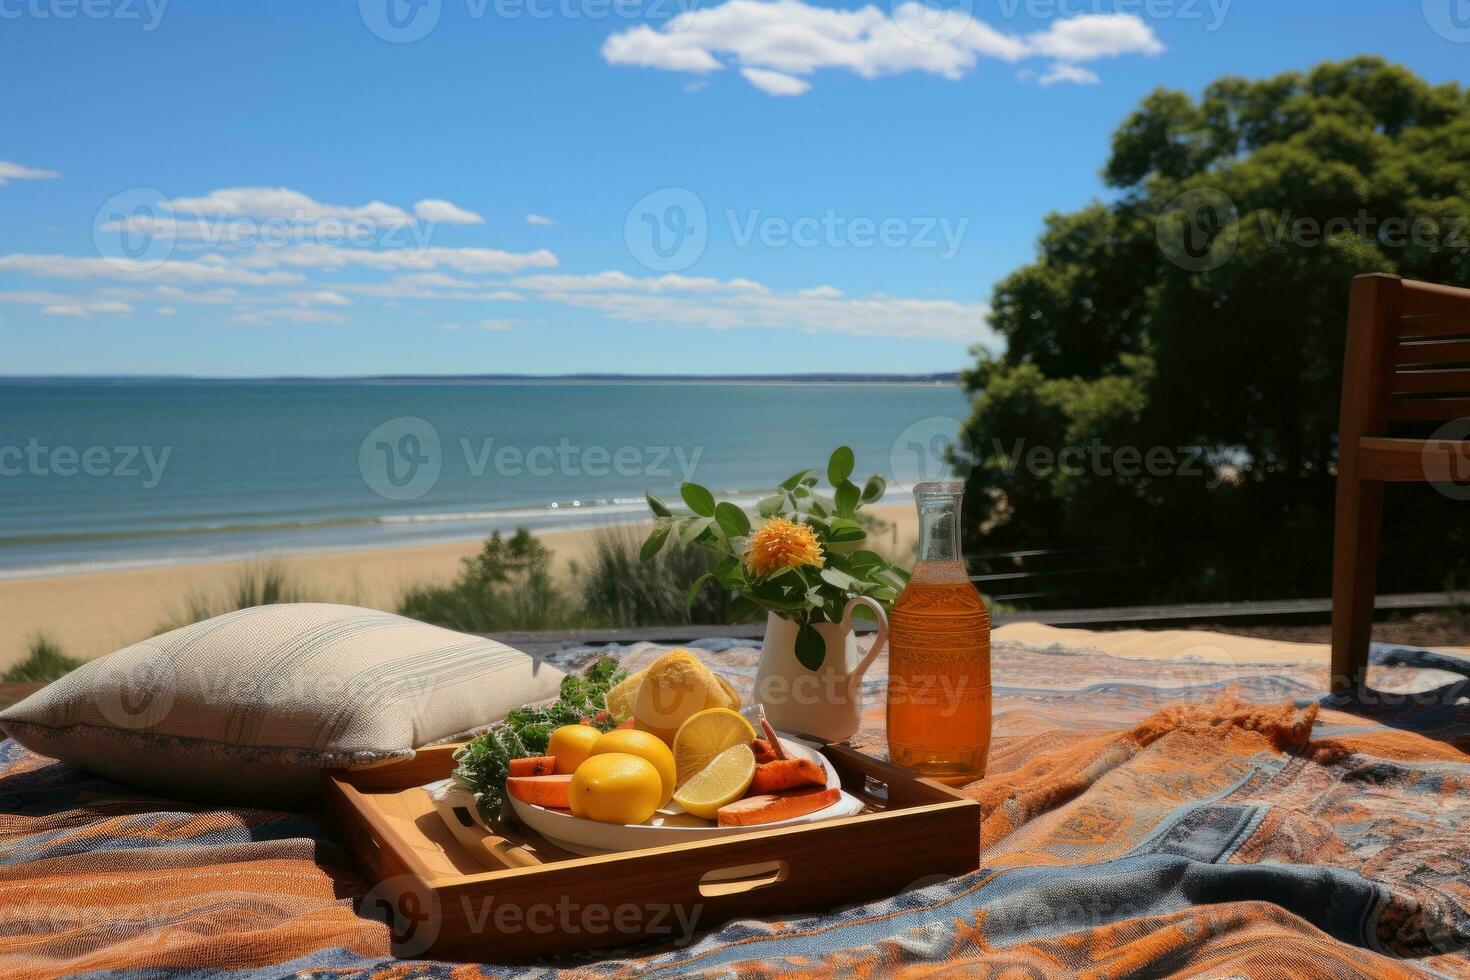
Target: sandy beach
<point>93,613</point>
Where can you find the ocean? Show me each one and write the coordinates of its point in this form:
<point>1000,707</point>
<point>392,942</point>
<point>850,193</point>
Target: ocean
<point>108,474</point>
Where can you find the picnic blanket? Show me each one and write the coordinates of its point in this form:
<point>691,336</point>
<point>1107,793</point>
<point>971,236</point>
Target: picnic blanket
<point>1203,814</point>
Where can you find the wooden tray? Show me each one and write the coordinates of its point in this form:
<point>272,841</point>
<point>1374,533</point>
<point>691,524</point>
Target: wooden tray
<point>441,902</point>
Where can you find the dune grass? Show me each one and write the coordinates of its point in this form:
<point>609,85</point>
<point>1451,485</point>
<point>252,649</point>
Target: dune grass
<point>616,588</point>
<point>257,584</point>
<point>44,663</point>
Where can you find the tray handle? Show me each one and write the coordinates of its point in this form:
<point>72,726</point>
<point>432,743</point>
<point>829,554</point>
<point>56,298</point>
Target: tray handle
<point>741,878</point>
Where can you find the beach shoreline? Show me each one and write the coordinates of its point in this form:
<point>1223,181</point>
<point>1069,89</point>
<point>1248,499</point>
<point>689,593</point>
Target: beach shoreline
<point>90,613</point>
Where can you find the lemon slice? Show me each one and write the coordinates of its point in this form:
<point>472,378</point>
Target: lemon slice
<point>723,781</point>
<point>621,698</point>
<point>705,735</point>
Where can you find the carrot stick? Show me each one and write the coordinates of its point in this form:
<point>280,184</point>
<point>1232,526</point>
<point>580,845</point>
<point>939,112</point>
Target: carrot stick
<point>762,750</point>
<point>773,777</point>
<point>534,765</point>
<point>771,807</point>
<point>552,791</point>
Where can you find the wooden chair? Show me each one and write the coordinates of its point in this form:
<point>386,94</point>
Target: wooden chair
<point>1407,363</point>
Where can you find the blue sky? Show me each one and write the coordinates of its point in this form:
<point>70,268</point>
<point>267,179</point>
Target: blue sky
<point>302,195</point>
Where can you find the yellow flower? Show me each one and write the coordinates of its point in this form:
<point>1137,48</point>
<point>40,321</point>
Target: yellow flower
<point>782,544</point>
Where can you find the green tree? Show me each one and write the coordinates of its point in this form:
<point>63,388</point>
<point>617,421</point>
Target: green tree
<point>1203,310</point>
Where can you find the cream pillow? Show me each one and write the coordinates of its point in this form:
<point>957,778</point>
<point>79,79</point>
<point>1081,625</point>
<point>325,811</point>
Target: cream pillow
<point>249,707</point>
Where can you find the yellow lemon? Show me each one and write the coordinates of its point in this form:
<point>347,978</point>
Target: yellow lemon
<point>674,687</point>
<point>571,744</point>
<point>723,781</point>
<point>620,699</point>
<point>704,736</point>
<point>616,788</point>
<point>731,695</point>
<point>648,747</point>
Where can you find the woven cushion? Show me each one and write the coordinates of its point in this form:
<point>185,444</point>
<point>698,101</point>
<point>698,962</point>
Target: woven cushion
<point>250,706</point>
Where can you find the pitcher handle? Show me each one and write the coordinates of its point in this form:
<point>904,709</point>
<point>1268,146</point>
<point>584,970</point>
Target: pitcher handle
<point>878,643</point>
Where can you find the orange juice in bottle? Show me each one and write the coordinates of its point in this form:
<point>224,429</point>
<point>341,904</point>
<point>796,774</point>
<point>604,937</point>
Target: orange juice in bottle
<point>939,653</point>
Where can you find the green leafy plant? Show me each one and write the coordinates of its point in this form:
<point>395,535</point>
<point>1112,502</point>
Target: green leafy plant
<point>43,664</point>
<point>483,763</point>
<point>507,586</point>
<point>803,563</point>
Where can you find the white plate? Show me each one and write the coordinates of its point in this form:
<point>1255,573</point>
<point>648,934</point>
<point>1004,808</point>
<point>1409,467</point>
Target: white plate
<point>594,837</point>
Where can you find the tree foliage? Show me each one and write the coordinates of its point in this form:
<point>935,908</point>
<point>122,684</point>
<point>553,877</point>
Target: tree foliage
<point>1203,310</point>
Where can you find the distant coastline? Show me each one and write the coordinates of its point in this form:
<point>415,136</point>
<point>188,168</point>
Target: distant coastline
<point>939,378</point>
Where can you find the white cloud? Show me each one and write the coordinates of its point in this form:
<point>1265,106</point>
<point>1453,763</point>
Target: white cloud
<point>1094,36</point>
<point>100,308</point>
<point>773,82</point>
<point>820,292</point>
<point>602,281</point>
<point>15,171</point>
<point>496,325</point>
<point>775,41</point>
<point>165,311</point>
<point>210,297</point>
<point>1075,74</point>
<point>876,316</point>
<point>469,261</point>
<point>319,297</point>
<point>446,213</point>
<point>449,326</point>
<point>282,203</point>
<point>289,314</point>
<point>538,219</point>
<point>209,269</point>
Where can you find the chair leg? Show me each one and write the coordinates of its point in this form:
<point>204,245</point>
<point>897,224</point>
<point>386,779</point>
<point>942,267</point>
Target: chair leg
<point>1354,578</point>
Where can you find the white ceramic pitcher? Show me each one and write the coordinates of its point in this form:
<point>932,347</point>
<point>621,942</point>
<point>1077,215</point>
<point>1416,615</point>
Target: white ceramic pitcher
<point>826,702</point>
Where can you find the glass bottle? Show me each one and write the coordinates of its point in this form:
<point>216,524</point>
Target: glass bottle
<point>939,653</point>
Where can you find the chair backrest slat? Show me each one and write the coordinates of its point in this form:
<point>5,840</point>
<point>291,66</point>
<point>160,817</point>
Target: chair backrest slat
<point>1435,381</point>
<point>1432,299</point>
<point>1428,409</point>
<point>1432,352</point>
<point>1439,325</point>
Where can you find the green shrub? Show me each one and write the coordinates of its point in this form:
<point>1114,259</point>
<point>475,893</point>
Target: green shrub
<point>507,586</point>
<point>616,588</point>
<point>43,664</point>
